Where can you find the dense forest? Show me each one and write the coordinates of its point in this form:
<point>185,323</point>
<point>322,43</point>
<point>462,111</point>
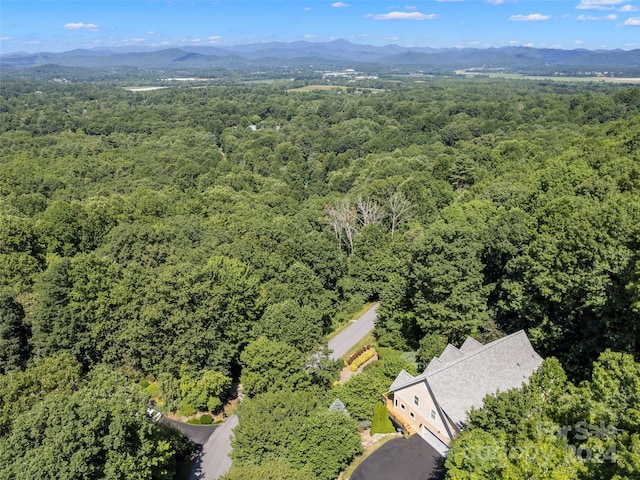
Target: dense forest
<point>175,242</point>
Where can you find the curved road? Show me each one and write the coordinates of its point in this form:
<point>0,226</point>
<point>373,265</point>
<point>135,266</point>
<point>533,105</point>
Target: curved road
<point>346,339</point>
<point>214,461</point>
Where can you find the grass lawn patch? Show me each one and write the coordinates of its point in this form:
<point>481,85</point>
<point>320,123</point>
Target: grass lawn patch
<point>317,88</point>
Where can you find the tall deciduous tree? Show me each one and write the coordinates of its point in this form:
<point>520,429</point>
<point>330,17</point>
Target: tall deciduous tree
<point>268,425</point>
<point>299,326</point>
<point>14,334</point>
<point>325,443</point>
<point>269,365</point>
<point>99,431</point>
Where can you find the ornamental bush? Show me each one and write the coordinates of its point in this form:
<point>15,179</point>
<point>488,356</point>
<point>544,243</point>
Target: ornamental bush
<point>362,358</point>
<point>381,422</point>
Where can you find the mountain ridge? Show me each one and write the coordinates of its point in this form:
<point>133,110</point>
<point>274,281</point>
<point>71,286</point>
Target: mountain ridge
<point>337,51</point>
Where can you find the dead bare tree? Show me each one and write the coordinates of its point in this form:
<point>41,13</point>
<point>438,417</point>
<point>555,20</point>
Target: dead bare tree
<point>399,209</point>
<point>370,211</point>
<point>344,220</point>
<point>332,215</point>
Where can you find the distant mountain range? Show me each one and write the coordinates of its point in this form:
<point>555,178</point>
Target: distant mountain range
<point>335,53</point>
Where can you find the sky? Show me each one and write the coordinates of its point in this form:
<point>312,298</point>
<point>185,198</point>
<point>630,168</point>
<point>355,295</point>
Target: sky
<point>56,26</point>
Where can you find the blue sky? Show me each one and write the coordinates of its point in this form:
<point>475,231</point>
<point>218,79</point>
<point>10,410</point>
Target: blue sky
<point>57,26</point>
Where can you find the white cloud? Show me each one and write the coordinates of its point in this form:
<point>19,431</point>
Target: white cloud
<point>308,9</point>
<point>628,8</point>
<point>138,40</point>
<point>632,22</point>
<point>309,36</point>
<point>530,45</point>
<point>5,39</point>
<point>598,4</point>
<point>534,17</point>
<point>340,5</point>
<point>214,38</point>
<point>410,7</point>
<point>391,39</point>
<point>495,2</point>
<point>403,16</point>
<point>589,18</point>
<point>89,27</point>
<point>578,42</point>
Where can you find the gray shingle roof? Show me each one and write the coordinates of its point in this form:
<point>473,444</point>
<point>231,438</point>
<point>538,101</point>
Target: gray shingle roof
<point>464,380</point>
<point>434,365</point>
<point>402,379</point>
<point>470,344</point>
<point>450,354</point>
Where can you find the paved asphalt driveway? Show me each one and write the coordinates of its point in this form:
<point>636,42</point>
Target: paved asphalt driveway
<point>347,338</point>
<point>214,460</point>
<point>197,433</point>
<point>402,459</point>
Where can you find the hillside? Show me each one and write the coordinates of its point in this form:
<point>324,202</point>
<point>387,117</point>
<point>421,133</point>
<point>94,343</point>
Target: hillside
<point>340,53</point>
<point>170,244</point>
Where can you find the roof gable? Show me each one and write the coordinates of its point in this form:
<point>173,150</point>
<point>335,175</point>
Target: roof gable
<point>470,345</point>
<point>401,380</point>
<point>450,354</point>
<point>434,364</point>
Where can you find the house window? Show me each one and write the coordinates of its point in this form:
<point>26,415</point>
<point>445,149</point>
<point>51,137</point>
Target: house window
<point>402,406</point>
<point>433,414</point>
<point>416,400</point>
<point>395,403</point>
<point>412,415</point>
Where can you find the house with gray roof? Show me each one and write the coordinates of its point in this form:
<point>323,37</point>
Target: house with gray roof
<point>435,404</point>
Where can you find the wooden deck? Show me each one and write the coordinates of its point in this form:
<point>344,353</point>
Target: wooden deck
<point>387,399</point>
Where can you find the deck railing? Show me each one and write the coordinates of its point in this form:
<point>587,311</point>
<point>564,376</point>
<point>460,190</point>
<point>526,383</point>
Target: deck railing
<point>387,399</point>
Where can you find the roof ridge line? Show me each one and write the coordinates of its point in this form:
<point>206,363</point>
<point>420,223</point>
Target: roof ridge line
<point>486,347</point>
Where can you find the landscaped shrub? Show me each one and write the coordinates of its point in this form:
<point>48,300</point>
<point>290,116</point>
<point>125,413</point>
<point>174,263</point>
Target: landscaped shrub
<point>153,389</point>
<point>193,421</point>
<point>214,404</point>
<point>186,409</point>
<point>358,353</point>
<point>381,422</point>
<point>362,358</point>
<point>206,419</point>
